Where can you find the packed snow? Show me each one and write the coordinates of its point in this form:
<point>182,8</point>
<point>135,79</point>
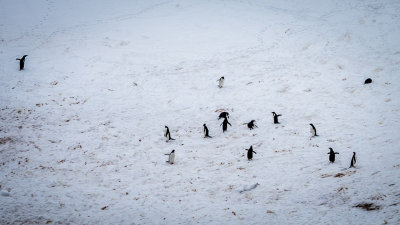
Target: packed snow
<point>81,127</point>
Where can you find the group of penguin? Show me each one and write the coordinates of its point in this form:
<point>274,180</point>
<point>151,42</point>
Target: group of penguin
<point>251,125</point>
<point>225,116</point>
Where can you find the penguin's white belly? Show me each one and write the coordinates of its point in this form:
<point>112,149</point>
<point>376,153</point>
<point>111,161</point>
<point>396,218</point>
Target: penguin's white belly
<point>312,131</point>
<point>221,83</point>
<point>171,158</point>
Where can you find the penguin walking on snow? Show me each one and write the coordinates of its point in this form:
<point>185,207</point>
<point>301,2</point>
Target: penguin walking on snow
<point>205,129</point>
<point>221,82</point>
<point>251,124</point>
<point>167,134</point>
<point>250,153</point>
<point>223,115</point>
<point>171,158</point>
<point>21,62</point>
<point>313,130</point>
<point>225,125</point>
<point>276,117</point>
<point>353,160</point>
<point>332,155</point>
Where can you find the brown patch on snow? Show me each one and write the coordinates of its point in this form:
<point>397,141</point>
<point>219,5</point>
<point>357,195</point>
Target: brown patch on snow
<point>368,206</point>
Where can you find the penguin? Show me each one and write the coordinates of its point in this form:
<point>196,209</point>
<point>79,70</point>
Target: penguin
<point>206,131</point>
<point>313,130</point>
<point>332,155</point>
<point>171,158</point>
<point>250,153</point>
<point>167,134</point>
<point>353,160</point>
<point>22,62</point>
<point>223,115</point>
<point>251,125</point>
<point>225,125</point>
<point>221,82</point>
<point>368,81</point>
<point>276,117</point>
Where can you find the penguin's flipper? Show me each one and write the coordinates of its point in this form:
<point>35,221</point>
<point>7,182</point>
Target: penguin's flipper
<point>18,59</point>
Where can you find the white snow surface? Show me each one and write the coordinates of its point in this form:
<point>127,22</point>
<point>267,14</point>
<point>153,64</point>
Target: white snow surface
<point>81,127</point>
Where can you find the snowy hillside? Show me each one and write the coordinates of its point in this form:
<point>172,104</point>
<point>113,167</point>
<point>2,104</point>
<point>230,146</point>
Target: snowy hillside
<point>81,127</point>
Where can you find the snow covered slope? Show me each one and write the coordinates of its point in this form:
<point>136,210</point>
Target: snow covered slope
<point>81,127</point>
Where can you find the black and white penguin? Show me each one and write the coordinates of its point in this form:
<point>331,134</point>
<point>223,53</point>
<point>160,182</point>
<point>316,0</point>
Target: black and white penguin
<point>353,160</point>
<point>221,82</point>
<point>171,158</point>
<point>250,153</point>
<point>205,129</point>
<point>368,81</point>
<point>332,155</point>
<point>251,124</point>
<point>313,130</point>
<point>167,134</point>
<point>276,117</point>
<point>225,125</point>
<point>223,115</point>
<point>22,62</point>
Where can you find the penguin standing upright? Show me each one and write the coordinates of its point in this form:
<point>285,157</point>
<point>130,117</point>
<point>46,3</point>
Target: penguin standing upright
<point>332,155</point>
<point>225,125</point>
<point>22,62</point>
<point>276,117</point>
<point>221,82</point>
<point>313,130</point>
<point>250,153</point>
<point>223,115</point>
<point>171,158</point>
<point>353,160</point>
<point>167,134</point>
<point>251,124</point>
<point>205,129</point>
